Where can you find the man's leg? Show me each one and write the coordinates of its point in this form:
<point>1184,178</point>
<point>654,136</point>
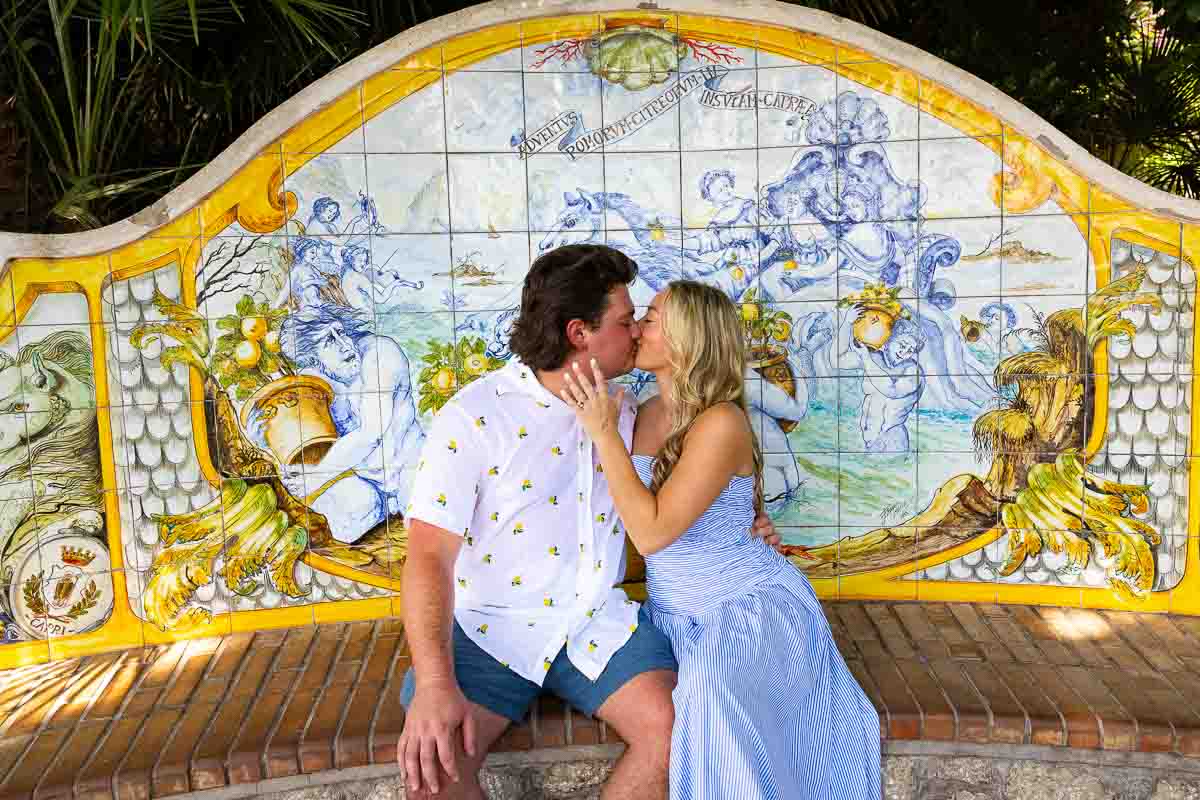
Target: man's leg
<point>496,696</point>
<point>642,714</point>
<point>488,728</point>
<point>633,695</point>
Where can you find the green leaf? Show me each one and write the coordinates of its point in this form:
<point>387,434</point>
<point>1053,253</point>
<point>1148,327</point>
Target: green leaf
<point>245,307</point>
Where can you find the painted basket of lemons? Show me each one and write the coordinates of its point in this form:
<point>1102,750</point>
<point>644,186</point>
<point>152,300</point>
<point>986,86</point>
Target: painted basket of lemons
<point>292,411</point>
<point>765,329</point>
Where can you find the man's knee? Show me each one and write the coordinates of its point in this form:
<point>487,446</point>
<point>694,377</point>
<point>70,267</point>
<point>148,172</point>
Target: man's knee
<point>642,711</point>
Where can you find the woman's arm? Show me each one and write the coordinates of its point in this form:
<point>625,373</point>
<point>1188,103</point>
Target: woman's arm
<point>712,451</point>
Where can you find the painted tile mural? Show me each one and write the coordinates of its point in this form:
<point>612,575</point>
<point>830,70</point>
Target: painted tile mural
<point>971,369</point>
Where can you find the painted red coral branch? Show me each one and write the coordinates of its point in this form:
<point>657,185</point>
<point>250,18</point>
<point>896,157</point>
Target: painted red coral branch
<point>563,51</point>
<point>712,52</point>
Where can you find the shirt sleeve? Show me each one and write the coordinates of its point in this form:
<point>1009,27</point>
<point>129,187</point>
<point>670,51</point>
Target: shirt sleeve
<point>446,485</point>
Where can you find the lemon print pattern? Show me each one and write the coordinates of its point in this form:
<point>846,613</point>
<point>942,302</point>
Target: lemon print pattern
<point>521,432</point>
<point>441,500</point>
<point>592,645</point>
<point>601,517</point>
<point>546,664</point>
<point>518,528</point>
<point>482,629</point>
<point>452,446</point>
<point>494,516</point>
<point>487,558</point>
<point>526,485</point>
<point>553,499</point>
<point>494,471</point>
<point>462,582</point>
<point>480,422</point>
<point>548,602</point>
<point>516,581</point>
<point>556,450</point>
<point>554,551</point>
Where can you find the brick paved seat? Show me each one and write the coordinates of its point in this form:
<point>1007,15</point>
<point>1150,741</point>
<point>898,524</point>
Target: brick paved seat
<point>239,709</point>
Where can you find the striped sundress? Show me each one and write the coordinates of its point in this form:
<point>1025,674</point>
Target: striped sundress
<point>765,708</point>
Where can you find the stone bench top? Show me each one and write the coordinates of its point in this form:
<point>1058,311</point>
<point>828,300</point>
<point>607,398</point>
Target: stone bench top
<point>248,707</point>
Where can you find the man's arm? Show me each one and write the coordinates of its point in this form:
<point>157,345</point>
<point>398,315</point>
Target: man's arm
<point>438,706</point>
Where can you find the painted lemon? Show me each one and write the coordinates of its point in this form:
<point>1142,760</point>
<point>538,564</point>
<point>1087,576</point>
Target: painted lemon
<point>789,265</point>
<point>444,381</point>
<point>247,353</point>
<point>738,273</point>
<point>781,330</point>
<point>476,363</point>
<point>254,328</point>
<point>750,311</point>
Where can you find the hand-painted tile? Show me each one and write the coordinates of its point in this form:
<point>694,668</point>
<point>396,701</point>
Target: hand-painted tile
<point>720,189</point>
<point>796,106</point>
<point>501,206</point>
<point>959,258</point>
<point>559,44</point>
<point>808,483</point>
<point>414,124</point>
<point>642,193</point>
<point>489,269</point>
<point>230,268</point>
<point>558,188</point>
<point>1044,255</point>
<point>721,114</point>
<point>323,185</point>
<point>960,177</point>
<point>876,102</point>
<point>484,111</point>
<point>639,120</point>
<point>877,488</point>
<point>410,273</point>
<point>408,193</point>
<point>560,109</point>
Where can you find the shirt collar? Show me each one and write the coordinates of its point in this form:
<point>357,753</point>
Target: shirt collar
<point>516,378</point>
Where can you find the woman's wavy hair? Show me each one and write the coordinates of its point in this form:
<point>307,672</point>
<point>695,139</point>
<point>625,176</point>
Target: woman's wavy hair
<point>707,356</point>
<point>566,283</point>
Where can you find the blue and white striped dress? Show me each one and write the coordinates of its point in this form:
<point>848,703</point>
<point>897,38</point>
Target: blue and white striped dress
<point>765,708</point>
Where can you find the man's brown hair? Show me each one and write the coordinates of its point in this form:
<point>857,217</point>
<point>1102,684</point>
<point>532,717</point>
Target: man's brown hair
<point>568,282</point>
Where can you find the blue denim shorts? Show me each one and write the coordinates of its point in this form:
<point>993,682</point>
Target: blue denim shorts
<point>488,683</point>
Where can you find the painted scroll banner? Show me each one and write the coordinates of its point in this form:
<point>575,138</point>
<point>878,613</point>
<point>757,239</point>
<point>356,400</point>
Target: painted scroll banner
<point>573,138</point>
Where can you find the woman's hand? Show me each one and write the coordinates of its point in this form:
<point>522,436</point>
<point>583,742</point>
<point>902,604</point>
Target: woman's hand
<point>597,411</point>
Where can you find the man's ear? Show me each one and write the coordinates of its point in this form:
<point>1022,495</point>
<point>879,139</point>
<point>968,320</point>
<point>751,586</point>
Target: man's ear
<point>577,334</point>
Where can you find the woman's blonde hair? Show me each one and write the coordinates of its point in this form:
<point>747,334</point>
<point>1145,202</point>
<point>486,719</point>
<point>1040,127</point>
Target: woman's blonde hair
<point>707,356</point>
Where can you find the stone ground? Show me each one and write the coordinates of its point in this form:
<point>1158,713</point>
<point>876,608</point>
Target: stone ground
<point>906,777</point>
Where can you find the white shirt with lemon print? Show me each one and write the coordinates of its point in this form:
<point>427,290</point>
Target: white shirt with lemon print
<point>507,466</point>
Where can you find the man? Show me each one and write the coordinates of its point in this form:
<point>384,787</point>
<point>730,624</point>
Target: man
<point>514,551</point>
<point>374,413</point>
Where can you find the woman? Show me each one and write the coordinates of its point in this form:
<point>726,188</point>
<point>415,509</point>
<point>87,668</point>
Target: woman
<point>765,706</point>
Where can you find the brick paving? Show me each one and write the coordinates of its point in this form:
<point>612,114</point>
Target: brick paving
<point>208,713</point>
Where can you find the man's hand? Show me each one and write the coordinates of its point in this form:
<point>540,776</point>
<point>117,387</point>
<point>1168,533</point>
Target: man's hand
<point>430,729</point>
<point>764,529</point>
